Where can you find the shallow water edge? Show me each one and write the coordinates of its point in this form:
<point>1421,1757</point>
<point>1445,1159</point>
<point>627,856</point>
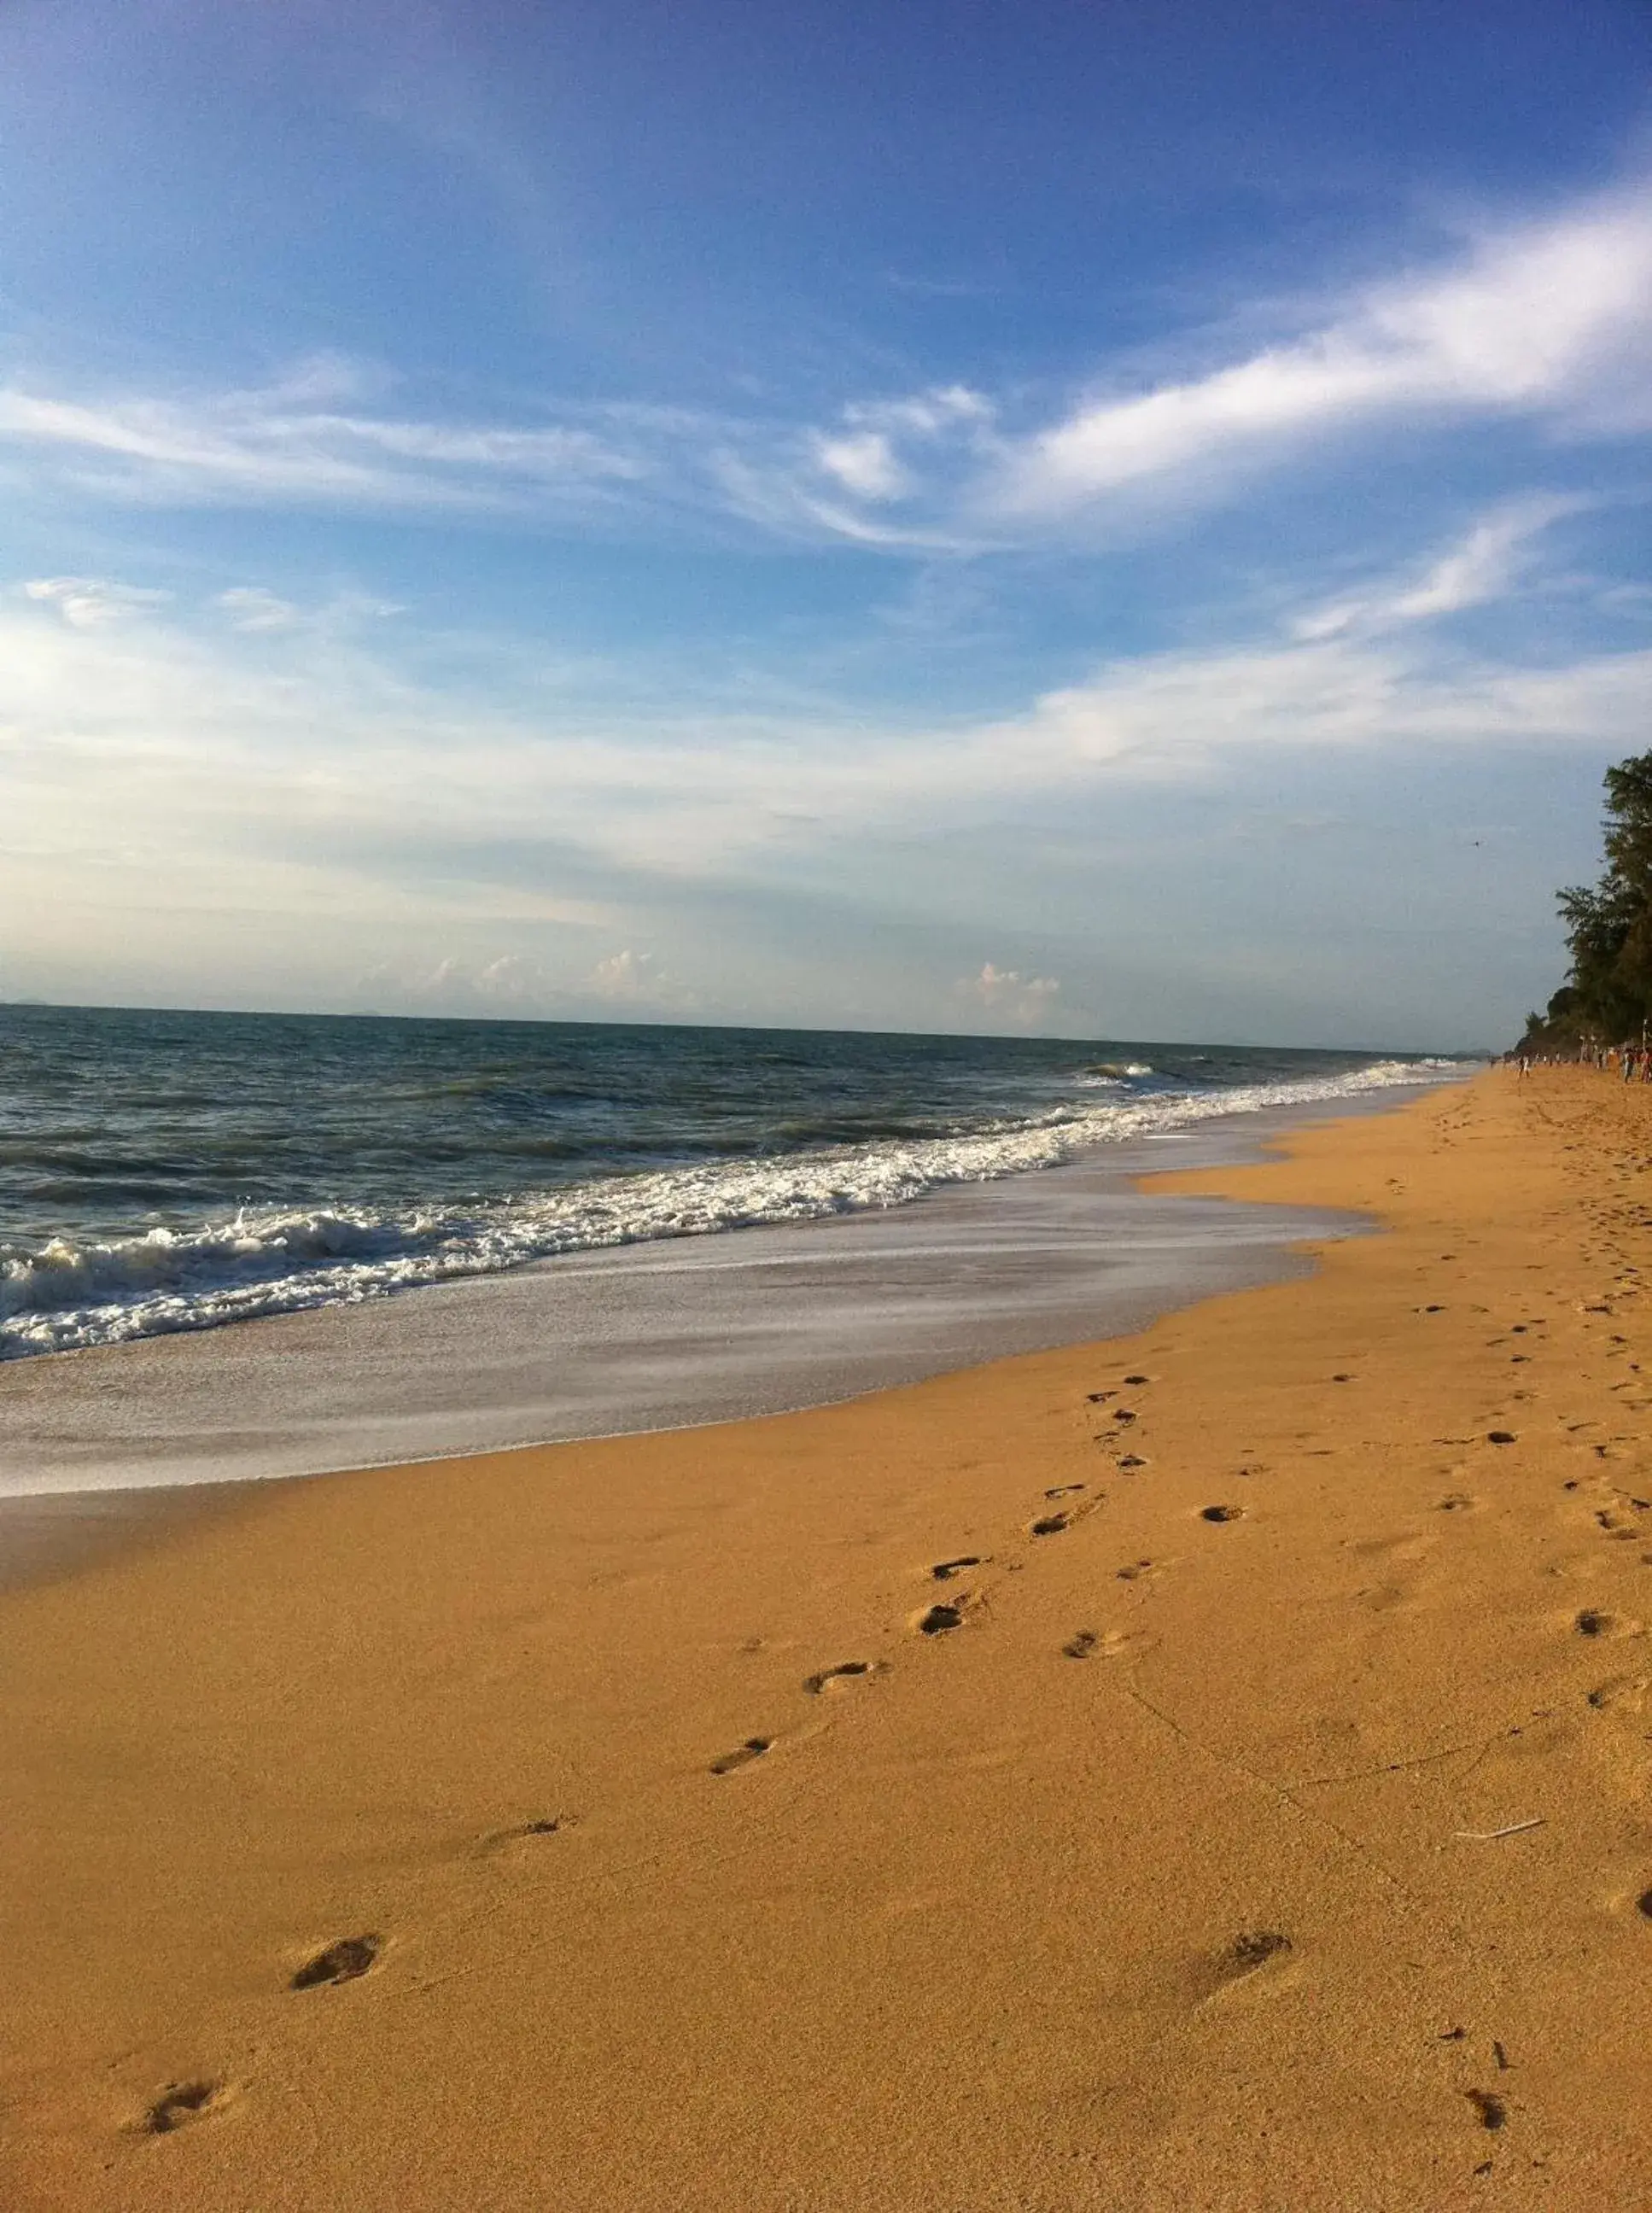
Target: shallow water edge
<point>102,1444</point>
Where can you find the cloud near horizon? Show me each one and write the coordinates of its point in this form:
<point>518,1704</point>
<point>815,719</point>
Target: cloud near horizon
<point>120,670</point>
<point>1006,994</point>
<point>286,766</point>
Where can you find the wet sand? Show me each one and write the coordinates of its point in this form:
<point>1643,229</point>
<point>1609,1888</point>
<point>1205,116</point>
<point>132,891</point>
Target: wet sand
<point>1207,1769</point>
<point>660,1335</point>
<point>49,1533</point>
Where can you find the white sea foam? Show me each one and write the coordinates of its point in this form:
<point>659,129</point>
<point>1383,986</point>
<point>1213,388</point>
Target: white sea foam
<point>67,1296</point>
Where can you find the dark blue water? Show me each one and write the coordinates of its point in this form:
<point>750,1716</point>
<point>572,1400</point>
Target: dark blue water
<point>162,1171</point>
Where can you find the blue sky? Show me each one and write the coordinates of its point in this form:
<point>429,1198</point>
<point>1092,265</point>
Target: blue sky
<point>1075,518</point>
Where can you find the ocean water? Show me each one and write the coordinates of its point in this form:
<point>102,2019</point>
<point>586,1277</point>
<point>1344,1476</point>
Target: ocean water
<point>162,1171</point>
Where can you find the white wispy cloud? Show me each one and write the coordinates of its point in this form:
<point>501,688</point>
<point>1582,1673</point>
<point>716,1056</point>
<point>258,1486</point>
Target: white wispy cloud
<point>864,462</point>
<point>286,444</point>
<point>1551,318</point>
<point>864,454</point>
<point>91,602</point>
<point>1482,567</point>
<point>301,795</point>
<point>1546,320</point>
<point>170,715</point>
<point>254,608</point>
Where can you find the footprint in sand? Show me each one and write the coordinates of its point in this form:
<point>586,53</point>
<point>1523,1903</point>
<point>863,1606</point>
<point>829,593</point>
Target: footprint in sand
<point>1065,1490</point>
<point>845,1671</point>
<point>1408,1545</point>
<point>936,1620</point>
<point>1501,1437</point>
<point>340,1963</point>
<point>1492,2112</point>
<point>1133,1571</point>
<point>742,1755</point>
<point>180,2104</point>
<point>1137,1381</point>
<point>1131,1461</point>
<point>1050,1525</point>
<point>944,1570</point>
<point>1628,1690</point>
<point>525,1838</point>
<point>1249,1954</point>
<point>1222,1512</point>
<point>1592,1621</point>
<point>1080,1645</point>
<point>1455,1501</point>
<point>1643,1906</point>
<point>1253,1948</point>
<point>548,1824</point>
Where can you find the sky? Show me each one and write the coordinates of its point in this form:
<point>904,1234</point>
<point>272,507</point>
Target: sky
<point>1068,519</point>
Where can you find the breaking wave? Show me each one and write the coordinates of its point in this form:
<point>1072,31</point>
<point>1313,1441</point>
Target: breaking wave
<point>68,1296</point>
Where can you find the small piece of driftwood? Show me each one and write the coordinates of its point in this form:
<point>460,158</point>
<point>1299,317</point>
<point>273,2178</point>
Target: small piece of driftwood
<point>1490,1836</point>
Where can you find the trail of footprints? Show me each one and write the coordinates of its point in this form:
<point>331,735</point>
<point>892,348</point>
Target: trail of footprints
<point>349,1958</point>
<point>180,2104</point>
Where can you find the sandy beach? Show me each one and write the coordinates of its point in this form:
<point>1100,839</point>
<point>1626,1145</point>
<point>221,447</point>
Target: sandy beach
<point>1204,1770</point>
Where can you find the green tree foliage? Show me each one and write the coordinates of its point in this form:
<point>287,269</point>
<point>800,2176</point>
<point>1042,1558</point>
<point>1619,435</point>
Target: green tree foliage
<point>1608,996</point>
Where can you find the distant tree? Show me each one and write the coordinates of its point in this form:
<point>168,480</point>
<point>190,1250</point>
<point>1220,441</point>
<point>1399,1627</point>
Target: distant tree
<point>1608,928</point>
<point>1560,1029</point>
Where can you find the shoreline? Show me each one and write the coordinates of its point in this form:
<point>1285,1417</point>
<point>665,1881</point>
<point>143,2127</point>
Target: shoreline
<point>798,1134</point>
<point>46,1533</point>
<point>666,1335</point>
<point>1286,1853</point>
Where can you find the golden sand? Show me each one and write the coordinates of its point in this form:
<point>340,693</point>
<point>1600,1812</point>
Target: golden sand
<point>1272,1830</point>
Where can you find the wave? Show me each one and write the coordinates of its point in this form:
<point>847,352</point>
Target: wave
<point>67,1296</point>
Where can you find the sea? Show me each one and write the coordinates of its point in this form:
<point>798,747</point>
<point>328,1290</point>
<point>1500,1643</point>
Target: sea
<point>163,1172</point>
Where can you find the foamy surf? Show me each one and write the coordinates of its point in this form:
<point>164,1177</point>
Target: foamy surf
<point>70,1294</point>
